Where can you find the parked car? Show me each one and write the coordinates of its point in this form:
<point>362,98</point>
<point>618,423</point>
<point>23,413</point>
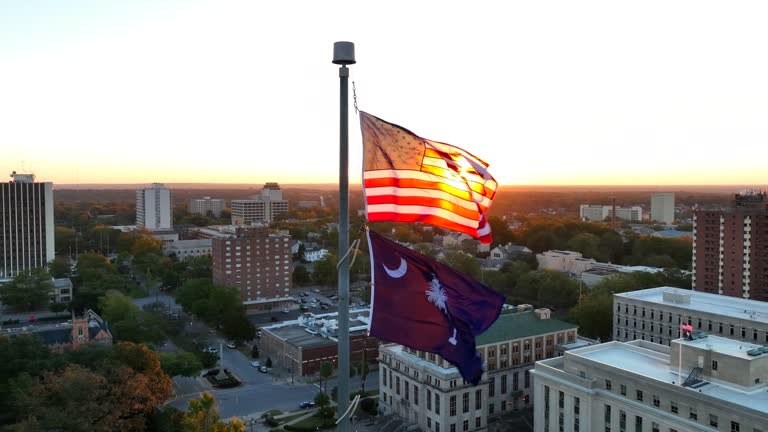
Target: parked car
<point>210,349</point>
<point>304,308</point>
<point>284,311</point>
<point>334,297</point>
<point>258,334</point>
<point>306,404</point>
<point>263,369</point>
<point>231,345</point>
<point>323,307</point>
<point>316,291</point>
<point>255,364</point>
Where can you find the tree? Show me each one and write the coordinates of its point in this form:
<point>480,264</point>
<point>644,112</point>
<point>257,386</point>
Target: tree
<point>464,263</point>
<point>268,363</point>
<point>64,238</point>
<point>202,416</point>
<point>238,327</point>
<point>27,290</point>
<point>59,267</point>
<point>255,351</point>
<point>181,363</point>
<point>325,272</point>
<point>326,370</point>
<point>323,401</point>
<point>301,276</point>
<point>57,307</point>
<point>74,399</point>
<point>116,306</point>
<point>548,288</point>
<point>594,315</point>
<point>501,233</point>
<point>586,243</point>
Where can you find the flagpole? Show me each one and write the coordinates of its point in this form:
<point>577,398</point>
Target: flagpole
<point>343,55</point>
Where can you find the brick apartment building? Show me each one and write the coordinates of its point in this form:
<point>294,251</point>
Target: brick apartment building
<point>256,262</point>
<point>730,248</point>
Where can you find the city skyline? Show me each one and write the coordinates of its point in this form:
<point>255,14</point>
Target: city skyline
<point>177,92</point>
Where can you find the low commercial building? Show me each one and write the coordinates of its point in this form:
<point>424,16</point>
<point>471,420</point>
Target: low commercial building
<point>655,315</point>
<point>702,383</point>
<point>183,249</point>
<point>301,346</point>
<point>62,291</point>
<point>428,392</point>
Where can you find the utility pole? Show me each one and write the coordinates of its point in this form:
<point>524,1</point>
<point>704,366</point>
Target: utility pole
<point>343,55</point>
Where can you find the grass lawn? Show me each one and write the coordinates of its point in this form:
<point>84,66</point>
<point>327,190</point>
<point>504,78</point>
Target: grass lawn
<point>286,419</point>
<point>273,413</point>
<point>309,423</point>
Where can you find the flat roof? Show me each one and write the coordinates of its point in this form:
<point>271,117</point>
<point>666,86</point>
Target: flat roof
<point>731,347</point>
<point>734,307</point>
<point>655,365</point>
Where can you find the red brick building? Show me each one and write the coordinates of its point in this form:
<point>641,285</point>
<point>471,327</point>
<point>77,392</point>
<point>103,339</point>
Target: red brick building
<point>730,248</point>
<point>256,262</point>
<point>304,345</point>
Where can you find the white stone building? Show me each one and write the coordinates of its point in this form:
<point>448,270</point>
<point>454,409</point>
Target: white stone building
<point>184,249</point>
<point>655,315</point>
<point>426,391</point>
<point>204,205</point>
<point>702,384</point>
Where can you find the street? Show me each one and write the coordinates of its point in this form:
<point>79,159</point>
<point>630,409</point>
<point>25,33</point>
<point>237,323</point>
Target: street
<point>259,392</point>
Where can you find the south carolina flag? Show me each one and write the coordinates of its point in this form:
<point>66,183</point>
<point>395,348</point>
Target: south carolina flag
<point>428,306</point>
<point>407,178</point>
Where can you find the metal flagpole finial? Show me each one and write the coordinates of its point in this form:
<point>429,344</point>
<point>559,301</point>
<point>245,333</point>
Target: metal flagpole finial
<point>344,53</point>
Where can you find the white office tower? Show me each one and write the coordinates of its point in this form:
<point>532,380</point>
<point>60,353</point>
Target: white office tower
<point>26,225</point>
<point>663,207</point>
<point>700,383</point>
<point>263,208</point>
<point>153,208</point>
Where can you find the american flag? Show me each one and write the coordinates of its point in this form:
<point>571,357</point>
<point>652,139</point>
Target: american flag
<point>407,178</point>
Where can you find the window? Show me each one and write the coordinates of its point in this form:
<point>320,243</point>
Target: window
<point>490,412</point>
<point>638,424</point>
<point>656,401</point>
<point>654,427</point>
<point>397,385</point>
<point>607,384</point>
<point>465,402</point>
<point>714,364</point>
<point>623,390</point>
<point>407,390</point>
<point>429,423</point>
<point>734,426</point>
<point>561,400</point>
<point>429,400</point>
<point>576,405</point>
<point>608,417</point>
<point>415,394</point>
<point>504,384</point>
<point>693,414</point>
<point>478,422</point>
<point>453,427</point>
<point>437,403</point>
<point>639,395</point>
<point>465,426</point>
<point>527,378</point>
<point>452,406</point>
<point>492,387</point>
<point>673,407</point>
<point>622,421</point>
<point>478,399</point>
<point>503,405</point>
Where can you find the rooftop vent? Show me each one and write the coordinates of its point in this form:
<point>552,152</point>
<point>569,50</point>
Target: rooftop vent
<point>676,297</point>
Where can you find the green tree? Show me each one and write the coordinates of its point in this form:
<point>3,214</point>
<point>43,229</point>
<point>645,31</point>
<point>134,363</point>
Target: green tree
<point>548,288</point>
<point>27,290</point>
<point>326,370</point>
<point>324,402</point>
<point>594,315</point>
<point>238,327</point>
<point>57,307</point>
<point>268,363</point>
<point>59,267</point>
<point>64,238</point>
<point>325,273</point>
<point>181,363</point>
<point>501,233</point>
<point>464,263</point>
<point>586,243</point>
<point>116,306</point>
<point>301,276</point>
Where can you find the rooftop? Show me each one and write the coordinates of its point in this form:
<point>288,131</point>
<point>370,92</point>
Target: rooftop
<point>700,301</point>
<point>730,347</point>
<point>516,325</point>
<point>641,358</point>
<point>299,333</point>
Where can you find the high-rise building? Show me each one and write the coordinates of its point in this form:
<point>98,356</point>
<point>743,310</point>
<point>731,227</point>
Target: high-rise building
<point>655,315</point>
<point>663,207</point>
<point>260,209</point>
<point>699,383</point>
<point>26,225</point>
<point>153,208</point>
<point>426,391</point>
<point>730,248</point>
<point>589,212</point>
<point>204,205</point>
<point>256,262</point>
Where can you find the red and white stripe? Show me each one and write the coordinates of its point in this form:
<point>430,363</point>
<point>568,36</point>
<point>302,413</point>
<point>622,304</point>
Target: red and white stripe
<point>415,196</point>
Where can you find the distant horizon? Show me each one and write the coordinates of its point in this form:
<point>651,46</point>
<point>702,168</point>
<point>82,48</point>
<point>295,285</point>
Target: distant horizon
<point>634,187</point>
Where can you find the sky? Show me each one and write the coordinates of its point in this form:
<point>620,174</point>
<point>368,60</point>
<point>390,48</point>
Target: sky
<point>228,91</point>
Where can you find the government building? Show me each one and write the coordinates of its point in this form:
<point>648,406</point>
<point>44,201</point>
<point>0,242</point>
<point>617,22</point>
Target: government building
<point>425,391</point>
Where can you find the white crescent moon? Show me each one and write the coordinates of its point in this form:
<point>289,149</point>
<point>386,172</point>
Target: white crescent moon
<point>399,272</point>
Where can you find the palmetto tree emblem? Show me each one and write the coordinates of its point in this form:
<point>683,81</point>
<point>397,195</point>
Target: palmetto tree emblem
<point>437,296</point>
